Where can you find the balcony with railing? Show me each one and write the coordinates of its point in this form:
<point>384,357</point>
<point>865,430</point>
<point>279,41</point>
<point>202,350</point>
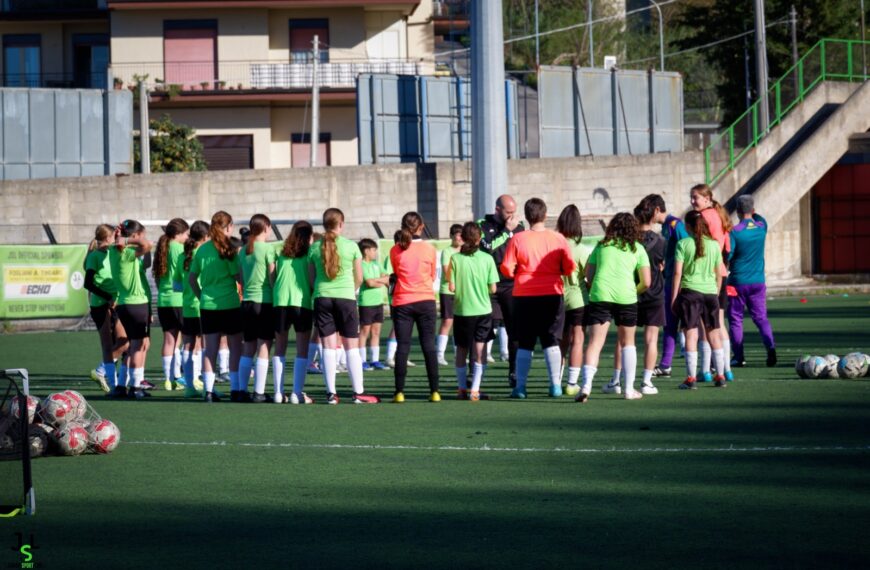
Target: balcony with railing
<point>23,9</point>
<point>91,80</point>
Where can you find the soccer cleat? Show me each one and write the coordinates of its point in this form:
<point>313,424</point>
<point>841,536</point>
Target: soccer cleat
<point>332,399</point>
<point>191,392</point>
<point>648,389</point>
<point>365,399</point>
<point>146,385</point>
<point>411,364</point>
<point>378,366</point>
<point>518,394</point>
<point>572,389</point>
<point>442,361</point>
<point>223,377</point>
<point>555,390</point>
<point>341,369</point>
<point>198,384</point>
<point>461,394</point>
<point>504,357</point>
<point>100,379</point>
<point>490,359</point>
<point>582,397</point>
<point>512,379</point>
<point>659,372</point>
<point>689,384</point>
<point>234,395</point>
<point>138,394</point>
<point>180,383</point>
<point>391,363</point>
<point>435,397</point>
<point>729,376</point>
<point>367,367</point>
<point>399,398</point>
<point>119,392</point>
<point>300,398</point>
<point>720,382</point>
<point>706,377</point>
<point>314,369</point>
<point>168,385</point>
<point>280,398</point>
<point>632,395</point>
<point>738,363</point>
<point>611,388</point>
<point>771,357</point>
<point>244,397</point>
<point>211,397</point>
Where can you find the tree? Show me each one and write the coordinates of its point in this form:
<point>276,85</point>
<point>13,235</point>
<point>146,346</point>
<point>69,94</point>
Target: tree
<point>174,148</point>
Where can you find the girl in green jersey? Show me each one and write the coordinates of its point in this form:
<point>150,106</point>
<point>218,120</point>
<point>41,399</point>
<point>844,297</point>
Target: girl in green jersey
<point>191,331</point>
<point>570,225</point>
<point>445,296</point>
<point>169,297</point>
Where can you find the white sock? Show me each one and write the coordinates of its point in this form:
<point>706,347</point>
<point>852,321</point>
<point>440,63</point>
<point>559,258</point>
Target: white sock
<point>682,342</point>
<point>197,365</point>
<point>101,368</point>
<point>278,373</point>
<point>718,361</point>
<point>629,365</point>
<point>138,376</point>
<point>553,358</point>
<point>441,345</point>
<point>489,349</point>
<point>588,376</point>
<point>477,377</point>
<point>691,364</point>
<point>235,383</point>
<point>208,380</point>
<point>355,371</point>
<point>176,364</point>
<point>313,349</point>
<point>362,353</point>
<point>246,363</point>
<point>503,341</point>
<point>123,376</point>
<point>706,354</point>
<point>462,377</point>
<point>261,373</point>
<point>223,361</point>
<point>647,376</point>
<point>109,372</point>
<point>524,364</point>
<point>617,376</point>
<point>392,345</point>
<point>376,353</point>
<point>341,357</point>
<point>726,350</point>
<point>167,368</point>
<point>573,375</point>
<point>328,357</point>
<point>299,366</point>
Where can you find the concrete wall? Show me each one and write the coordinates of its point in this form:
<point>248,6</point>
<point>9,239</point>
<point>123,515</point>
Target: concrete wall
<point>600,187</point>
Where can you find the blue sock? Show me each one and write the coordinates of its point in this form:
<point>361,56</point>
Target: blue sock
<point>524,364</point>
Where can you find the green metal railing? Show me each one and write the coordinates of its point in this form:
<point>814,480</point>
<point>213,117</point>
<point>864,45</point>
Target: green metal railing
<point>828,60</point>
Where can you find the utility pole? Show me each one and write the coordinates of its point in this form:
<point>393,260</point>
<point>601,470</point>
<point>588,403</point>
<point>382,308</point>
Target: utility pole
<point>537,39</point>
<point>747,84</point>
<point>761,67</point>
<point>661,35</point>
<point>315,101</point>
<point>863,41</point>
<point>144,130</point>
<point>589,25</point>
<point>792,18</point>
<point>488,132</point>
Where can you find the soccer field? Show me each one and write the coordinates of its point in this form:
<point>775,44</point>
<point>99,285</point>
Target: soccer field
<point>771,472</point>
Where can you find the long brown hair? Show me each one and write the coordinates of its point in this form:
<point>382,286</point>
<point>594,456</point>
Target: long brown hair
<point>299,240</point>
<point>570,223</point>
<point>219,223</point>
<point>198,232</point>
<point>412,222</point>
<point>470,238</point>
<point>707,192</point>
<point>258,225</point>
<point>697,226</point>
<point>174,228</point>
<point>101,234</point>
<point>622,232</point>
<point>332,218</point>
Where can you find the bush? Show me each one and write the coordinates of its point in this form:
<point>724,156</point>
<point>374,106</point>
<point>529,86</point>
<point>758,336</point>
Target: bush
<point>174,148</point>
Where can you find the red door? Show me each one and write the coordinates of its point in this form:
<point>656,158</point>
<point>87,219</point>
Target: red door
<point>841,202</point>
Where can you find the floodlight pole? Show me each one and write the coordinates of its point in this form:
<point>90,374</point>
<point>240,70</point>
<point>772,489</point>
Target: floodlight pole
<point>488,133</point>
<point>315,101</point>
<point>589,25</point>
<point>661,35</point>
<point>537,39</point>
<point>761,67</point>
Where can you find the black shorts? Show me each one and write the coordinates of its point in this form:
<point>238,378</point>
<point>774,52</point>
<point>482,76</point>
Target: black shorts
<point>136,320</point>
<point>371,315</point>
<point>600,313</point>
<point>539,317</point>
<point>723,295</point>
<point>574,318</point>
<point>191,326</point>
<point>496,309</point>
<point>300,318</point>
<point>258,321</point>
<point>170,318</point>
<point>336,316</point>
<point>468,330</point>
<point>225,321</point>
<point>693,308</point>
<point>99,315</point>
<point>650,314</point>
<point>446,305</point>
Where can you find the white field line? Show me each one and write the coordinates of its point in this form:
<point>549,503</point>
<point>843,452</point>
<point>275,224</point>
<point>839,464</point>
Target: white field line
<point>487,448</point>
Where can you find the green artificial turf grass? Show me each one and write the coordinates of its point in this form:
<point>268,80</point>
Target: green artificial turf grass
<point>769,472</point>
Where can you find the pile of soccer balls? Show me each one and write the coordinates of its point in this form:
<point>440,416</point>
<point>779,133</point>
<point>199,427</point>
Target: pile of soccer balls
<point>853,365</point>
<point>62,423</point>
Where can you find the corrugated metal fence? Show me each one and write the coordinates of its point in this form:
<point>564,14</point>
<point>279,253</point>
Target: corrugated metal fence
<point>406,118</point>
<point>52,133</point>
<point>586,111</point>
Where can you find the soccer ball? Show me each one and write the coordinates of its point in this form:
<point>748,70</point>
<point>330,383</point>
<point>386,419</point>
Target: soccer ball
<point>104,436</point>
<point>79,407</point>
<point>17,402</point>
<point>38,441</point>
<point>72,439</point>
<point>853,365</point>
<point>832,360</point>
<point>815,367</point>
<point>799,365</point>
<point>57,409</point>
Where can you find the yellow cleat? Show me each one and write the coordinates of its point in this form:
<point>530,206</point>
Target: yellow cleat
<point>197,384</point>
<point>399,398</point>
<point>434,397</point>
<point>169,385</point>
<point>572,389</point>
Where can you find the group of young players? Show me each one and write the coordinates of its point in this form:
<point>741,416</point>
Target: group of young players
<point>229,303</point>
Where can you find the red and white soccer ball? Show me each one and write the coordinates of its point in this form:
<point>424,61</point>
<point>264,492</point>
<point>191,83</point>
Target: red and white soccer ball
<point>104,436</point>
<point>79,407</point>
<point>17,406</point>
<point>71,439</point>
<point>57,409</point>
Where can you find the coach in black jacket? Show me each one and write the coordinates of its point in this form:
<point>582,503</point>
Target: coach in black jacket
<point>497,229</point>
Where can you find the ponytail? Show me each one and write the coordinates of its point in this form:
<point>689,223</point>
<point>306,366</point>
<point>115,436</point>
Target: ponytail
<point>258,225</point>
<point>696,224</point>
<point>412,225</point>
<point>332,219</point>
<point>198,233</point>
<point>174,228</point>
<point>217,232</point>
<point>101,234</point>
<point>470,238</point>
<point>723,215</point>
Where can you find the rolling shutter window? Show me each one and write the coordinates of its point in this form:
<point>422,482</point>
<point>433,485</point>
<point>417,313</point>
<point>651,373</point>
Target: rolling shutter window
<point>189,52</point>
<point>228,152</point>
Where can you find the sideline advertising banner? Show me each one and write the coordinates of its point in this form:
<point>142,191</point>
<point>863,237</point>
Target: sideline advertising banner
<point>40,281</point>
